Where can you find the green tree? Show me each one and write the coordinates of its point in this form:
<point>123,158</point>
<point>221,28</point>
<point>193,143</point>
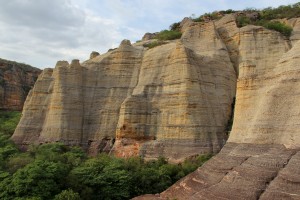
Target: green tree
<point>67,195</point>
<point>9,121</point>
<point>101,178</point>
<point>41,179</point>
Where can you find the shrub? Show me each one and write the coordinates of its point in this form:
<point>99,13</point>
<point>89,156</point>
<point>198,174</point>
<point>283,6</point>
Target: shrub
<point>168,35</point>
<point>280,27</point>
<point>242,21</point>
<point>175,26</point>
<point>154,44</point>
<point>288,11</point>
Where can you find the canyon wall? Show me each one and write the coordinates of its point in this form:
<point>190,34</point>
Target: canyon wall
<point>16,79</point>
<point>261,157</point>
<point>173,100</point>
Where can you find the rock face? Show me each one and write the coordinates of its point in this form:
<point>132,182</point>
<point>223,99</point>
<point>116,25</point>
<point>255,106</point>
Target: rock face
<point>94,54</point>
<point>16,80</point>
<point>173,100</point>
<point>262,156</point>
<point>148,36</point>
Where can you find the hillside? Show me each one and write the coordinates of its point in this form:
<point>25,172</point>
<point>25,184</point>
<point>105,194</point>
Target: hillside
<point>16,79</point>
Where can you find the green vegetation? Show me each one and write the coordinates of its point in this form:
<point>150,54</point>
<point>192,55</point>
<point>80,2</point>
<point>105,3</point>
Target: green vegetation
<point>272,25</point>
<point>212,16</point>
<point>9,121</point>
<point>163,36</point>
<point>168,35</point>
<point>266,17</point>
<point>175,26</point>
<point>55,171</point>
<point>280,27</point>
<point>281,12</point>
<point>154,44</point>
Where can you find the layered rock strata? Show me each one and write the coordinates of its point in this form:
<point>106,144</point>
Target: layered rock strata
<point>16,79</point>
<point>241,171</point>
<point>261,157</point>
<point>173,100</point>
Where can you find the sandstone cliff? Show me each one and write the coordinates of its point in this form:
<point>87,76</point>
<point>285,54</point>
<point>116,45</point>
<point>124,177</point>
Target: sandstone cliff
<point>173,100</point>
<point>261,158</point>
<point>16,80</point>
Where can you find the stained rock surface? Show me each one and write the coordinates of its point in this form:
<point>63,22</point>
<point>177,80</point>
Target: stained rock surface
<point>173,100</point>
<point>261,158</point>
<point>16,79</point>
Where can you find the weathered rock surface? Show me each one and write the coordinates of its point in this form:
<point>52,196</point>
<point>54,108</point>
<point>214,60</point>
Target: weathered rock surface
<point>241,171</point>
<point>261,157</point>
<point>94,54</point>
<point>173,100</point>
<point>16,79</point>
<point>149,36</point>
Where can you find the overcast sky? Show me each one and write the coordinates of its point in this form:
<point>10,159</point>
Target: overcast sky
<point>40,32</point>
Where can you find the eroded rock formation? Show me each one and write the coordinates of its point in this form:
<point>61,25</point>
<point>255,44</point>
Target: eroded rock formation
<point>261,158</point>
<point>16,80</point>
<point>173,100</point>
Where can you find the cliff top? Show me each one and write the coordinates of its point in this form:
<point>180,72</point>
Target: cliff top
<point>24,66</point>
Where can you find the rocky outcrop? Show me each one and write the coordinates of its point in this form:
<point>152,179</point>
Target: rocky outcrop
<point>173,100</point>
<point>241,171</point>
<point>94,54</point>
<point>261,157</point>
<point>16,79</point>
<point>149,36</point>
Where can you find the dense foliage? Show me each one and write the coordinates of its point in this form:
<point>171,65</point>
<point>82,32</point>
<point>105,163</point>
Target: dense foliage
<point>55,171</point>
<point>9,121</point>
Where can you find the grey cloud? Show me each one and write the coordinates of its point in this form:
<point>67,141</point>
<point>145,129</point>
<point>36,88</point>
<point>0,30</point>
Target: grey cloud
<point>40,32</point>
<point>41,13</point>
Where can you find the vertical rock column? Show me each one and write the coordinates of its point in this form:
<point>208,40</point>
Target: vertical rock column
<point>65,117</point>
<point>34,111</point>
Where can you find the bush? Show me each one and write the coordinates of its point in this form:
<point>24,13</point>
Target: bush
<point>242,21</point>
<point>280,27</point>
<point>288,11</point>
<point>168,35</point>
<point>175,26</point>
<point>272,25</point>
<point>154,44</point>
